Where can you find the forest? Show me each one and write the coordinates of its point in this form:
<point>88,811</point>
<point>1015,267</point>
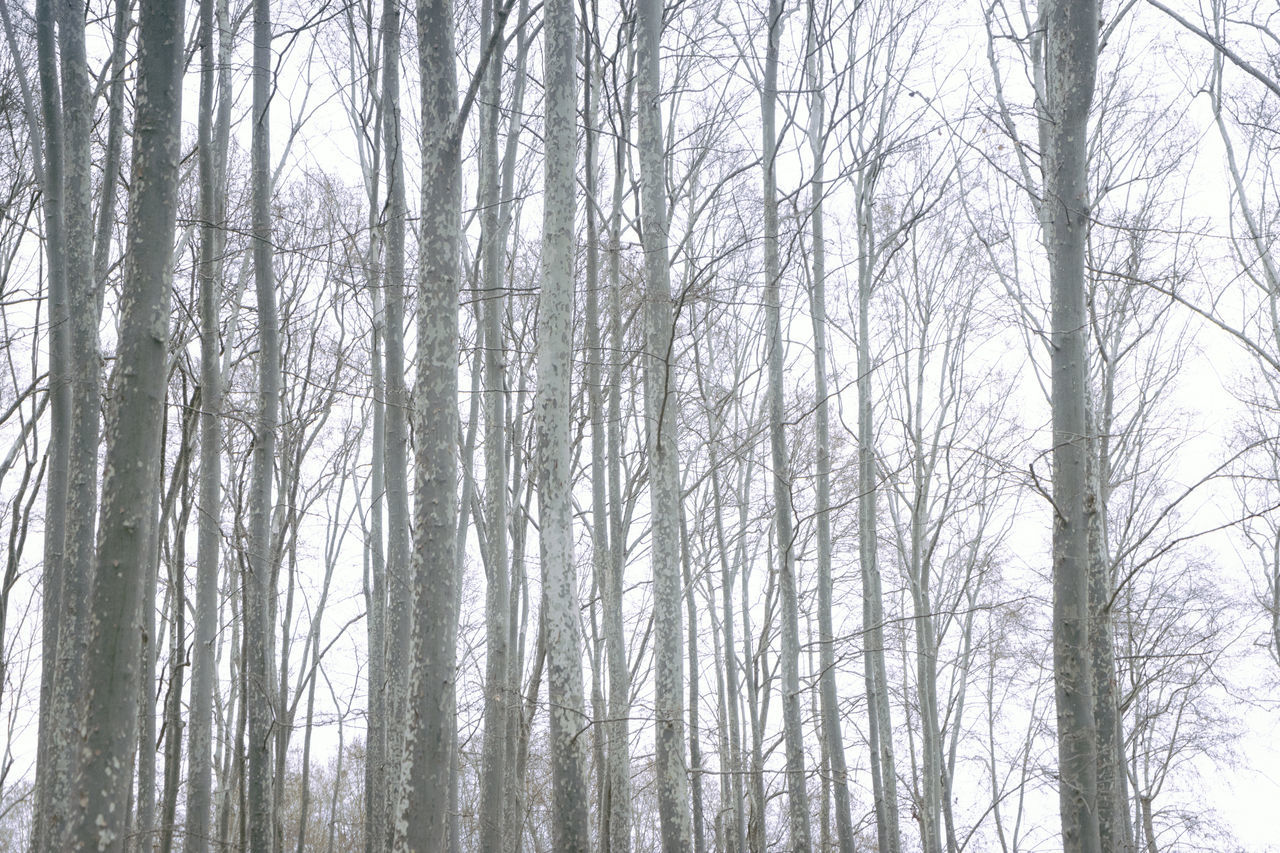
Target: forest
<point>639,426</point>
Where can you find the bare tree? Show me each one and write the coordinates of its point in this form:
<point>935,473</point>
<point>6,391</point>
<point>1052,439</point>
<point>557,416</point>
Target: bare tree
<point>131,485</point>
<point>660,428</point>
<point>1071,55</point>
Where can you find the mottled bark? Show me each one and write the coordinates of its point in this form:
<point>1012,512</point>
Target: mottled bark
<point>1114,829</point>
<point>1071,50</point>
<point>47,817</point>
<point>497,592</point>
<point>569,797</point>
<point>131,483</point>
<point>259,589</point>
<point>83,375</point>
<point>695,744</point>
<point>421,815</point>
<point>399,619</point>
<point>671,782</point>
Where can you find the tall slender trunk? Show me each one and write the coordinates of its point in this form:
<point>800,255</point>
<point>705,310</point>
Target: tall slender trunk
<point>1071,52</point>
<point>671,782</point>
<point>108,723</point>
<point>48,813</point>
<point>595,356</point>
<point>619,840</point>
<point>497,592</point>
<point>879,725</point>
<point>115,138</point>
<point>569,799</point>
<point>203,669</point>
<point>1115,832</point>
<point>695,745</point>
<point>421,816</point>
<point>738,836</point>
<point>399,621</point>
<point>798,794</point>
<point>143,812</point>
<point>260,591</point>
<point>173,720</point>
<point>832,740</point>
<point>83,375</point>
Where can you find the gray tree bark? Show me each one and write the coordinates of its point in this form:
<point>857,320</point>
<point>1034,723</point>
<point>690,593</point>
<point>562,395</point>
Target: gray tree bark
<point>833,742</point>
<point>594,356</point>
<point>399,621</point>
<point>879,723</point>
<point>421,814</point>
<point>83,375</point>
<point>695,745</point>
<point>619,835</point>
<point>497,595</point>
<point>47,817</point>
<point>258,621</point>
<point>569,798</point>
<point>203,673</point>
<point>108,724</point>
<point>1071,51</point>
<point>797,790</point>
<point>671,781</point>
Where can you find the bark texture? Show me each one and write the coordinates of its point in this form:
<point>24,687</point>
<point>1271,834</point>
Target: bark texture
<point>260,590</point>
<point>108,722</point>
<point>569,791</point>
<point>1071,55</point>
<point>672,784</point>
<point>421,815</point>
<point>203,664</point>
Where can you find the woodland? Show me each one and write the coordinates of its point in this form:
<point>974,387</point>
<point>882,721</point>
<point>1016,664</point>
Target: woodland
<point>628,426</point>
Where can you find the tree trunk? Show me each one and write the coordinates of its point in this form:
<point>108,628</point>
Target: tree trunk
<point>570,800</point>
<point>1071,50</point>
<point>83,375</point>
<point>497,593</point>
<point>879,724</point>
<point>203,666</point>
<point>619,840</point>
<point>48,815</point>
<point>399,621</point>
<point>833,742</point>
<point>421,817</point>
<point>173,722</point>
<point>131,481</point>
<point>695,746</point>
<point>798,794</point>
<point>671,782</point>
<point>258,621</point>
